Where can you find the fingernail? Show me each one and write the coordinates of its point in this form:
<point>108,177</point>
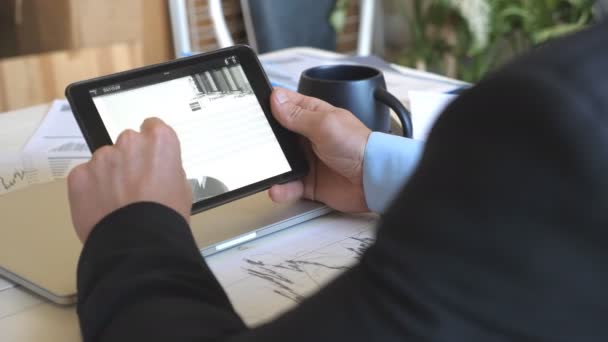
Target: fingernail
<point>281,96</point>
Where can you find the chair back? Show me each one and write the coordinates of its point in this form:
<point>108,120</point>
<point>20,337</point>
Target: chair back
<point>278,24</point>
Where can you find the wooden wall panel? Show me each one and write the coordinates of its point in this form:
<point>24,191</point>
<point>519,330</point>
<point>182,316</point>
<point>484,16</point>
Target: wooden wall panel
<point>33,79</point>
<point>53,25</point>
<point>8,29</point>
<point>22,83</point>
<point>3,98</point>
<point>46,26</point>
<point>86,38</point>
<point>156,36</point>
<point>104,22</point>
<point>38,26</point>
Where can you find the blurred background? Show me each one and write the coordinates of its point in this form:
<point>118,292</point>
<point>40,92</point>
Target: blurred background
<point>46,44</point>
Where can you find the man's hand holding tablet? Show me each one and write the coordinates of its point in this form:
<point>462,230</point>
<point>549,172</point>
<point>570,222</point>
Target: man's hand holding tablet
<point>335,140</point>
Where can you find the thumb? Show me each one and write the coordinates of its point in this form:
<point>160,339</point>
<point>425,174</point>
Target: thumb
<point>296,112</point>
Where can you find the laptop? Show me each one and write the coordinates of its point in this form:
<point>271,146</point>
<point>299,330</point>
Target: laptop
<point>39,248</point>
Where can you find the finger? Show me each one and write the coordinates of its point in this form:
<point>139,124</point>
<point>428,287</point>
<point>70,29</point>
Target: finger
<point>77,179</point>
<point>306,102</point>
<point>159,130</point>
<point>102,155</point>
<point>288,192</point>
<point>162,133</point>
<point>151,124</point>
<point>298,113</point>
<point>126,138</point>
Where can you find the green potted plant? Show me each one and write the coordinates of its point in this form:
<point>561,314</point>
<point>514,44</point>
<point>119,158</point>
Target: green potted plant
<point>467,38</point>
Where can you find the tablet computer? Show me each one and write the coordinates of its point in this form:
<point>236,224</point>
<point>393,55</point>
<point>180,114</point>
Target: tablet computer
<point>219,105</point>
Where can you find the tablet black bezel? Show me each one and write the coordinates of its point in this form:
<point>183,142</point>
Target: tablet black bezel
<point>96,135</point>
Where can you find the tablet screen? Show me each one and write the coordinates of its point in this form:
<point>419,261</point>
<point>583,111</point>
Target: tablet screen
<point>226,140</point>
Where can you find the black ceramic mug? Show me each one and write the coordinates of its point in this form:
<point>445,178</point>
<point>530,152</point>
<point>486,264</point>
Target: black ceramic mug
<point>359,89</point>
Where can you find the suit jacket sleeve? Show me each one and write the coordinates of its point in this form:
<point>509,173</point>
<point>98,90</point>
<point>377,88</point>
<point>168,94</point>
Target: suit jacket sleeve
<point>142,278</point>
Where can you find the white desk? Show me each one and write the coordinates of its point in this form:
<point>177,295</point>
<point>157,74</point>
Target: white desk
<point>337,240</point>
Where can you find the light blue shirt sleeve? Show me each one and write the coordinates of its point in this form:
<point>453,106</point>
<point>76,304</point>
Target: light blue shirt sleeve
<point>388,162</point>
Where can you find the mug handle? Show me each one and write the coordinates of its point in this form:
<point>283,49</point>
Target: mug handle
<point>393,103</point>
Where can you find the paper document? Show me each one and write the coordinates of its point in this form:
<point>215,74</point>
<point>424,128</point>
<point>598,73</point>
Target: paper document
<point>16,127</point>
<point>18,170</point>
<point>267,276</point>
<point>425,107</point>
<point>285,72</point>
<point>59,138</point>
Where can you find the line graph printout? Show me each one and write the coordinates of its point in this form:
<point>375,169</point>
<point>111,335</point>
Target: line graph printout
<point>268,276</point>
<point>19,170</point>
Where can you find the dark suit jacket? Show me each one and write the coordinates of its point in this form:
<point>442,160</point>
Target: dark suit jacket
<point>500,235</point>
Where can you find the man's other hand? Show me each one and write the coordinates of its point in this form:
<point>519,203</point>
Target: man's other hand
<point>145,166</point>
<point>335,142</point>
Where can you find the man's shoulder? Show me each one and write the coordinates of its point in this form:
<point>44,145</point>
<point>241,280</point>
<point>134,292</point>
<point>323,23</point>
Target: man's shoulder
<point>575,60</point>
